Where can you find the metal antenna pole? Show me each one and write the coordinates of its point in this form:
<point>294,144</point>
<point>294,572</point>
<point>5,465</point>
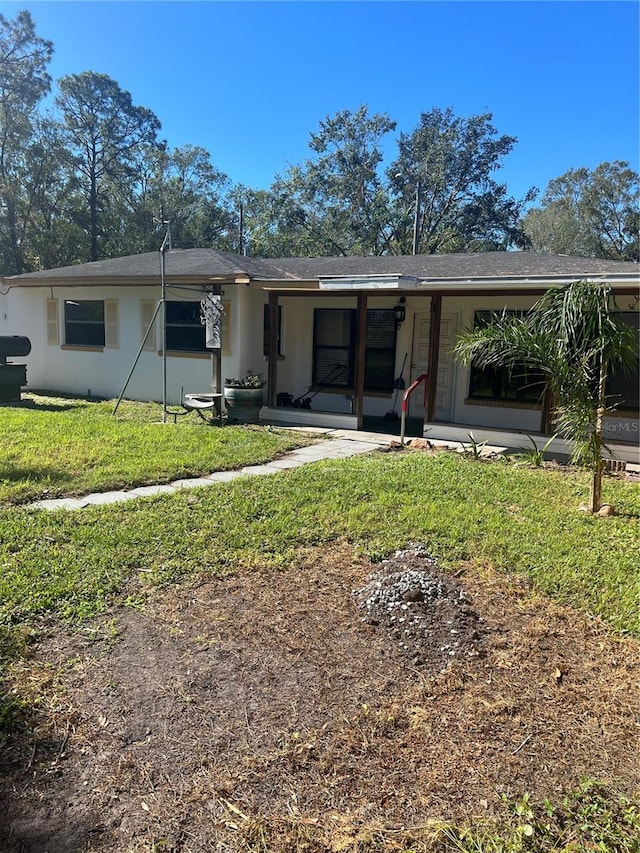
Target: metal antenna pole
<point>133,367</point>
<point>166,243</point>
<point>416,220</point>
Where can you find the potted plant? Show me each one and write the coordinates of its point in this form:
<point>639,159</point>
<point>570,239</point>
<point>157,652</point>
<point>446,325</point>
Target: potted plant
<point>243,397</point>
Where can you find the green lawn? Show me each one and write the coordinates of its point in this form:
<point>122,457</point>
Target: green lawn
<point>517,519</point>
<point>68,446</point>
<point>69,565</point>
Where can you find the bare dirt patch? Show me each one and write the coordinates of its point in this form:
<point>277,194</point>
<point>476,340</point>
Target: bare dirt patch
<point>294,707</point>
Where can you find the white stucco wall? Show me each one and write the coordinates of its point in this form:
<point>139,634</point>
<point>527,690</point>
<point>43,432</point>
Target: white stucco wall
<point>103,372</point>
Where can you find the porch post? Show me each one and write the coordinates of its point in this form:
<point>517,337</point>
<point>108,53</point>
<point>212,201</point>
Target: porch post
<point>216,355</point>
<point>361,349</point>
<point>546,415</point>
<point>272,350</point>
<point>434,351</point>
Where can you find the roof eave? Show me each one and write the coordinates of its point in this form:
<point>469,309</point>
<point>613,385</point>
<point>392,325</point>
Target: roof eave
<point>127,281</point>
<point>524,282</point>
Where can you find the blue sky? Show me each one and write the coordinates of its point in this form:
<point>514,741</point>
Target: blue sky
<point>250,80</point>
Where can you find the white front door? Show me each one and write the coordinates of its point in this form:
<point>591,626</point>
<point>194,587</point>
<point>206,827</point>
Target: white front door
<point>420,363</point>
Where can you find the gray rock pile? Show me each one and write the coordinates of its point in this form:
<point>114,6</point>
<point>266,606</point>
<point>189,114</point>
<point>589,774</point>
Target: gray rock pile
<point>423,611</point>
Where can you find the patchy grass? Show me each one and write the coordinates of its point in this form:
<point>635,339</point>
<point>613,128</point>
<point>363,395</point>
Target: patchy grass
<point>69,446</point>
<point>257,712</point>
<point>518,520</point>
<point>593,817</point>
<point>524,522</point>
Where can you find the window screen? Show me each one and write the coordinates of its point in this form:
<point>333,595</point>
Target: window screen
<point>185,332</point>
<point>84,323</point>
<point>334,340</point>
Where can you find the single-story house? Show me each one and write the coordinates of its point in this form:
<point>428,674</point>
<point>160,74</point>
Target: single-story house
<point>331,335</point>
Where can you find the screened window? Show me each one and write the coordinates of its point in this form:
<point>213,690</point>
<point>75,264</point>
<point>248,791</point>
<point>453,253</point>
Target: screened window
<point>84,323</point>
<point>334,337</point>
<point>623,389</point>
<point>380,356</point>
<point>333,356</point>
<point>185,332</point>
<point>519,384</point>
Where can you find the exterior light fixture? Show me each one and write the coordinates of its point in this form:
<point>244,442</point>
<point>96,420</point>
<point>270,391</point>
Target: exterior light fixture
<point>399,312</point>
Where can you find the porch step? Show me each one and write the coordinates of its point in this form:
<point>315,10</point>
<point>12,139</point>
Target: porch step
<point>307,417</point>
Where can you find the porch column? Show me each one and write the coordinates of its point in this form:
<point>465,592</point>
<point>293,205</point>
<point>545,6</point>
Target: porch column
<point>434,351</point>
<point>361,349</point>
<point>272,350</point>
<point>546,415</point>
<point>216,353</point>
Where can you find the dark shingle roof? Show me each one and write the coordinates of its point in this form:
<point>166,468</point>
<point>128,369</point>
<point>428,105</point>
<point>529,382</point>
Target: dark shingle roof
<point>482,265</point>
<point>202,265</point>
<point>183,263</point>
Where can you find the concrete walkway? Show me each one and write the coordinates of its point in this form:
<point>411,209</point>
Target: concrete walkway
<point>339,444</point>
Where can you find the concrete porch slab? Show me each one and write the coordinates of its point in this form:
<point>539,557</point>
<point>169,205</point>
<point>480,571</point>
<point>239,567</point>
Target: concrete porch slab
<point>506,440</point>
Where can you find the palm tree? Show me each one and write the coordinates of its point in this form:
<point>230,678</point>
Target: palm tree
<point>573,337</point>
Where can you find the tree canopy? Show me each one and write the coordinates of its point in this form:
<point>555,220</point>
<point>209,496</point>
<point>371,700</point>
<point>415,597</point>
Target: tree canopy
<point>24,80</point>
<point>90,179</point>
<point>445,167</point>
<point>104,130</point>
<point>591,213</point>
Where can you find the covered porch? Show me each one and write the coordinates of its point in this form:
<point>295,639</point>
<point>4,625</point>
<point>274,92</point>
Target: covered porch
<point>354,353</point>
<point>427,317</point>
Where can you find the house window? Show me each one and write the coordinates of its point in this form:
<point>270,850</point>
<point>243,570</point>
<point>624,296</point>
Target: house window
<point>185,332</point>
<point>380,357</point>
<point>623,389</point>
<point>265,332</point>
<point>518,384</point>
<point>84,323</point>
<point>334,338</point>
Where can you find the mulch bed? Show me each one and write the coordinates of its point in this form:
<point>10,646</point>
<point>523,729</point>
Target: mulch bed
<point>324,704</point>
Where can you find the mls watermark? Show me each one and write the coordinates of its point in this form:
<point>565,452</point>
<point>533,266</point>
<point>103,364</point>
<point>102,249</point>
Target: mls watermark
<point>626,428</point>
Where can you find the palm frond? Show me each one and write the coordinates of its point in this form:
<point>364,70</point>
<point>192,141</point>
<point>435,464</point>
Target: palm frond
<point>573,336</point>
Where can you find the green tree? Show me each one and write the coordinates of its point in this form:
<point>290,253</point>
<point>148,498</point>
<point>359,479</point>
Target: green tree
<point>24,80</point>
<point>183,187</point>
<point>573,336</point>
<point>334,203</point>
<point>49,235</point>
<point>445,197</point>
<point>105,131</point>
<point>589,213</point>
